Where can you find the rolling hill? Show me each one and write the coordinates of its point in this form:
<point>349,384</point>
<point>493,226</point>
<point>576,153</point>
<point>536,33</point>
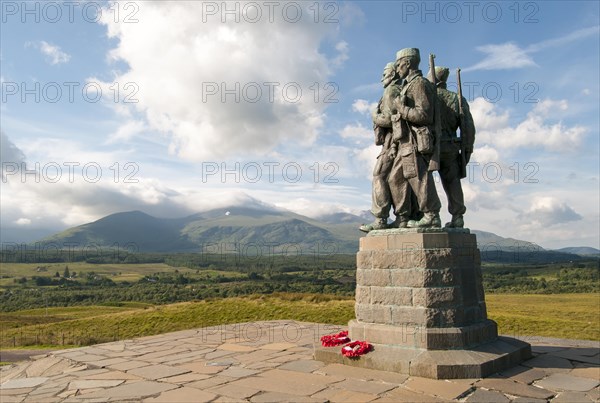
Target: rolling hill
<point>205,231</point>
<point>252,227</point>
<point>581,250</point>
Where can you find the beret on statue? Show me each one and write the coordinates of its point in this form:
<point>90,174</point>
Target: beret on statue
<point>442,73</point>
<point>408,52</point>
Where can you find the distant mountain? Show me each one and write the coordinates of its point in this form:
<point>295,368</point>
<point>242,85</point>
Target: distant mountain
<point>343,218</point>
<point>491,241</point>
<point>496,249</point>
<point>580,250</point>
<point>225,229</point>
<point>147,233</point>
<point>264,229</point>
<point>269,228</point>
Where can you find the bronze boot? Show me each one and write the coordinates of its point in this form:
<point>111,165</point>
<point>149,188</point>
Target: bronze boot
<point>456,222</point>
<point>380,223</point>
<point>429,220</point>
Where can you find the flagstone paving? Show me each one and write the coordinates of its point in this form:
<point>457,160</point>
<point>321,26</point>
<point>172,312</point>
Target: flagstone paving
<point>272,361</point>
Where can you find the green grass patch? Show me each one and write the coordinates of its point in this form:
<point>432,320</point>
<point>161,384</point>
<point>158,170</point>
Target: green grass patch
<point>116,272</point>
<point>59,314</point>
<point>102,326</point>
<point>573,316</point>
<point>569,316</point>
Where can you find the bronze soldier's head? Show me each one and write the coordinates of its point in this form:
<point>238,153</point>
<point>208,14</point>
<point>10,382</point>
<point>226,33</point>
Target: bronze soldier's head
<point>406,60</point>
<point>441,74</point>
<point>389,72</point>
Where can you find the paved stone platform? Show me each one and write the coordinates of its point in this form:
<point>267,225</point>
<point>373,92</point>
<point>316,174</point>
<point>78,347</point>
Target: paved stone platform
<point>272,361</point>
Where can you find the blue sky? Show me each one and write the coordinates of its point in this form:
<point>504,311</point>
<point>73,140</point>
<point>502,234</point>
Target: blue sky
<point>198,110</point>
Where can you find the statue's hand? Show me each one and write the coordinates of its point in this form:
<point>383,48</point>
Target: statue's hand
<point>382,119</point>
<point>400,105</point>
<point>400,100</point>
<point>392,152</point>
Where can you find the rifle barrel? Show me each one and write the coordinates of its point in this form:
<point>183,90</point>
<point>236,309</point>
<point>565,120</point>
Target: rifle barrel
<point>433,78</point>
<point>458,83</point>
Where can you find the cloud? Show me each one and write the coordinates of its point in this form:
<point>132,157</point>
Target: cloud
<point>224,89</point>
<point>502,57</point>
<point>549,211</point>
<point>509,55</point>
<point>46,150</point>
<point>479,197</point>
<point>66,204</point>
<point>54,54</point>
<point>23,221</point>
<point>367,157</point>
<point>9,152</point>
<point>351,14</point>
<point>486,116</point>
<point>312,208</point>
<point>342,49</point>
<point>127,131</point>
<point>538,129</point>
<point>485,154</point>
<point>356,131</point>
<point>565,39</point>
<point>12,159</point>
<point>363,106</point>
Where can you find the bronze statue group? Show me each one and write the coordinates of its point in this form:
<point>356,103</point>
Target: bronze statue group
<point>416,122</point>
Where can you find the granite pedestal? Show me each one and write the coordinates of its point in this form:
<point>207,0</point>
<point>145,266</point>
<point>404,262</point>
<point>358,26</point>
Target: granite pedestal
<point>420,303</point>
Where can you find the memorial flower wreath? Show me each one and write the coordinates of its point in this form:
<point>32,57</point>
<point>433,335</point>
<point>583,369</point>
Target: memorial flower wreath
<point>351,348</point>
<point>356,348</point>
<point>332,340</point>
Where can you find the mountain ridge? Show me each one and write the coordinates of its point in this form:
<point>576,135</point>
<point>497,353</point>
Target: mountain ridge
<point>581,250</point>
<point>263,227</point>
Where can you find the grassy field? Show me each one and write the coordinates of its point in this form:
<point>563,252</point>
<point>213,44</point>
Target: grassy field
<point>32,317</point>
<point>116,272</point>
<point>572,316</point>
<point>569,316</point>
<point>105,324</point>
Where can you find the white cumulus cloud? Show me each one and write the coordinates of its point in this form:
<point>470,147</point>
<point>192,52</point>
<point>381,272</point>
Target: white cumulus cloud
<point>540,128</point>
<point>366,158</point>
<point>356,131</point>
<point>220,89</point>
<point>127,131</point>
<point>363,106</point>
<point>548,211</point>
<point>53,53</point>
<point>509,55</point>
<point>485,154</point>
<point>485,115</point>
<point>501,57</point>
<point>23,221</point>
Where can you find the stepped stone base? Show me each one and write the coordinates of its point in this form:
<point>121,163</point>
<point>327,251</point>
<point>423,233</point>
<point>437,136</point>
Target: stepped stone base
<point>411,336</point>
<point>477,362</point>
<point>420,302</point>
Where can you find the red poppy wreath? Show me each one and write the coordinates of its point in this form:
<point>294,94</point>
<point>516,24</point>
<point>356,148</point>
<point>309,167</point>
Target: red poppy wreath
<point>332,340</point>
<point>356,348</point>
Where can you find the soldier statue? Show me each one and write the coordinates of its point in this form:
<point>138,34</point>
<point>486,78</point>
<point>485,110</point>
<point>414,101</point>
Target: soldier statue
<point>382,126</point>
<point>415,145</point>
<point>455,151</point>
